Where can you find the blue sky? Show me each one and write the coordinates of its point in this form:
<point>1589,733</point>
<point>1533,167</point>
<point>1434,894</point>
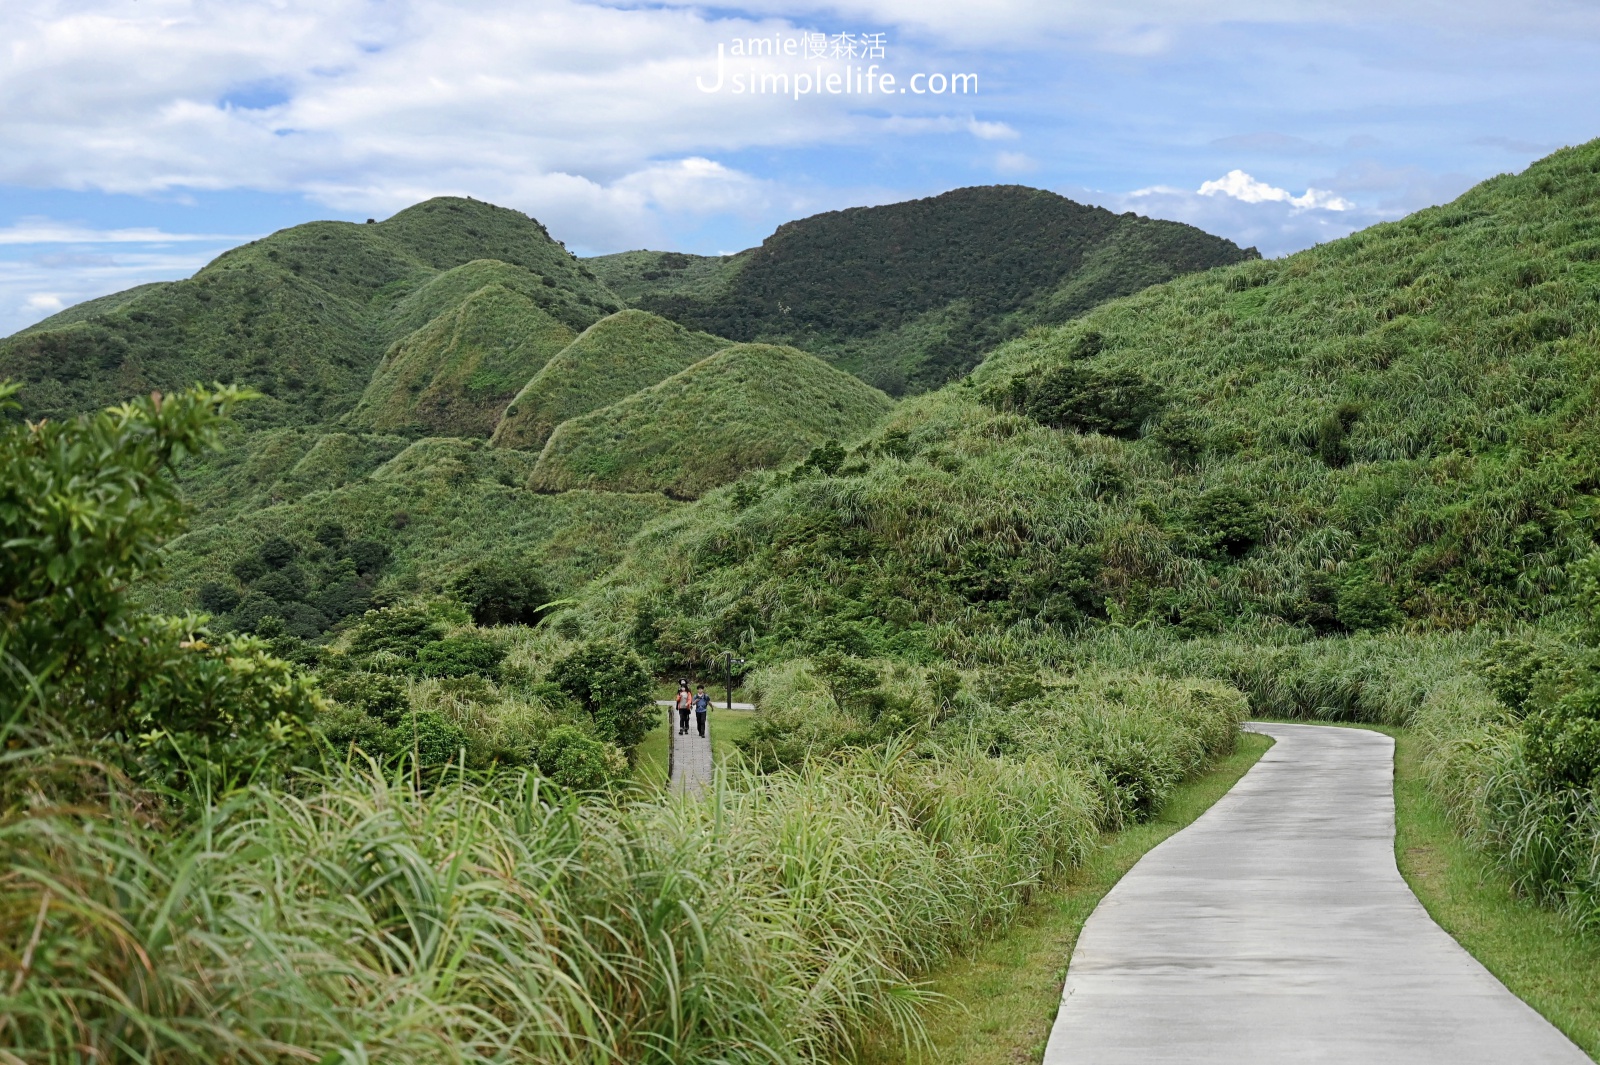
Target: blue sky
<point>142,137</point>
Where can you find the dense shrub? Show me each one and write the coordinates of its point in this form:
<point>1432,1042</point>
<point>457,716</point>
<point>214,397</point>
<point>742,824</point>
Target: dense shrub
<point>461,655</point>
<point>501,591</point>
<point>577,761</point>
<point>1083,398</point>
<point>613,687</point>
<point>85,506</point>
<point>397,632</point>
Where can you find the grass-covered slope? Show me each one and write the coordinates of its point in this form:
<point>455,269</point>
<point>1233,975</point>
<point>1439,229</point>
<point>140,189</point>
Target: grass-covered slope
<point>1395,428</point>
<point>633,275</point>
<point>614,358</point>
<point>437,506</point>
<point>746,407</point>
<point>303,315</point>
<point>455,375</point>
<point>909,295</point>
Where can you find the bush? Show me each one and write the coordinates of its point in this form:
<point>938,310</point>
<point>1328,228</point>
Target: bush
<point>217,598</point>
<point>577,761</point>
<point>613,687</point>
<point>501,592</point>
<point>377,695</point>
<point>1228,519</point>
<point>85,506</point>
<point>398,631</point>
<point>461,655</point>
<point>277,552</point>
<point>433,739</point>
<point>1113,402</point>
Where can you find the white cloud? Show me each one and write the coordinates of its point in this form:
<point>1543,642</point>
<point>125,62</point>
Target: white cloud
<point>45,302</point>
<point>1242,186</point>
<point>1015,163</point>
<point>46,231</point>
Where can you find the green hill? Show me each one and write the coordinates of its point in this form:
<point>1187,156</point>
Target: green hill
<point>910,295</point>
<point>746,407</point>
<point>423,515</point>
<point>634,275</point>
<point>1394,429</point>
<point>456,374</point>
<point>303,315</point>
<point>615,357</point>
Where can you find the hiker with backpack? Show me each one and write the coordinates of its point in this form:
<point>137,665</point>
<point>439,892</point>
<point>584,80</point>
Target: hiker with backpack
<point>683,702</point>
<point>702,703</point>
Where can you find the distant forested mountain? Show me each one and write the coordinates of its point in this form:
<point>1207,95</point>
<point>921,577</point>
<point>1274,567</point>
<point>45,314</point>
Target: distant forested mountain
<point>911,295</point>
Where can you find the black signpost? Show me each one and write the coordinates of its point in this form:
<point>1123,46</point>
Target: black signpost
<point>729,662</point>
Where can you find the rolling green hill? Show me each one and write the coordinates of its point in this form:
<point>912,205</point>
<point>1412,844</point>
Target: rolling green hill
<point>1394,429</point>
<point>910,295</point>
<point>456,374</point>
<point>432,509</point>
<point>303,315</point>
<point>615,357</point>
<point>746,407</point>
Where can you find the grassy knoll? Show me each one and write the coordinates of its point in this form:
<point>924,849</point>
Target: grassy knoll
<point>303,315</point>
<point>455,375</point>
<point>435,507</point>
<point>909,295</point>
<point>613,358</point>
<point>998,1002</point>
<point>746,407</point>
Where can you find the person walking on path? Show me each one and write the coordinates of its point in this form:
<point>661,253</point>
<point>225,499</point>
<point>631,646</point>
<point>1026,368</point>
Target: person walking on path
<point>702,703</point>
<point>683,702</point>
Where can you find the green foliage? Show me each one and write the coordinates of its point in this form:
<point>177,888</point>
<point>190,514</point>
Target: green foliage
<point>913,293</point>
<point>430,738</point>
<point>747,407</point>
<point>85,507</point>
<point>501,591</point>
<point>611,360</point>
<point>395,632</point>
<point>579,762</point>
<point>377,695</point>
<point>613,687</point>
<point>1083,398</point>
<point>413,524</point>
<point>305,592</point>
<point>461,655</point>
<point>1228,519</point>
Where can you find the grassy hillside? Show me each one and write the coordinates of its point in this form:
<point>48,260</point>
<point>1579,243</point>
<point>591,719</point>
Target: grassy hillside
<point>633,275</point>
<point>437,506</point>
<point>456,374</point>
<point>615,357</point>
<point>746,407</point>
<point>303,315</point>
<point>908,296</point>
<point>1395,428</point>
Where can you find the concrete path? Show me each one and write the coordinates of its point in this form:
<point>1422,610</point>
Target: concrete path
<point>691,755</point>
<point>1277,928</point>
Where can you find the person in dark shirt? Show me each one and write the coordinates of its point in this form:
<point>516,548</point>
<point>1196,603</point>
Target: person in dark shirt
<point>702,703</point>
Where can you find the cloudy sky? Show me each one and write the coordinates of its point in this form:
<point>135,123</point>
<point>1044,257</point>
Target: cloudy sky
<point>138,138</point>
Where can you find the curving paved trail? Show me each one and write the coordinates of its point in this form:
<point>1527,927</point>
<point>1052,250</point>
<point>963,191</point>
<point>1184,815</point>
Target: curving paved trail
<point>1277,928</point>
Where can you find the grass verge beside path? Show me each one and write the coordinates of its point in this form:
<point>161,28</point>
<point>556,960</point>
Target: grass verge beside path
<point>1532,950</point>
<point>1003,999</point>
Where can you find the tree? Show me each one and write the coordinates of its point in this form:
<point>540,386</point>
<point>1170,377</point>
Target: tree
<point>611,683</point>
<point>85,507</point>
<point>499,591</point>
